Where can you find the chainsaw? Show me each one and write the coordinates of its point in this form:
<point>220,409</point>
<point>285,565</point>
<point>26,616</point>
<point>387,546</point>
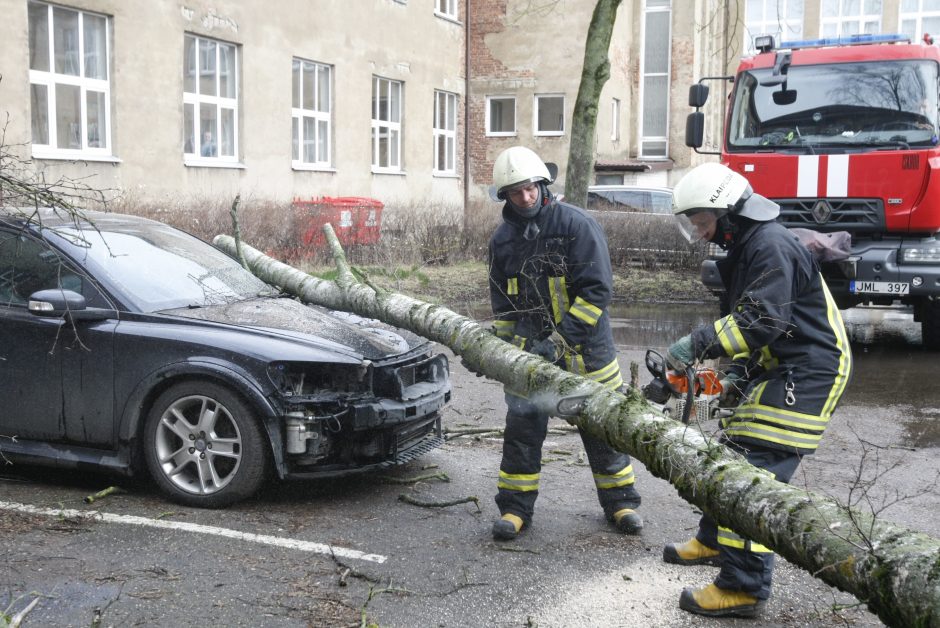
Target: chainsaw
<point>678,394</point>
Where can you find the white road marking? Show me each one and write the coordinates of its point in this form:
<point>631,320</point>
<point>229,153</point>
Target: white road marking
<point>264,539</point>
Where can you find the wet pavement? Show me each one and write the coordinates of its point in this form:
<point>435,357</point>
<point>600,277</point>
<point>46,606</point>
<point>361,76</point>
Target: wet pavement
<point>441,567</point>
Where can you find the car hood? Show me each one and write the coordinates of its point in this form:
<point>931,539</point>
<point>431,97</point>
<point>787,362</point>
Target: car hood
<point>337,331</point>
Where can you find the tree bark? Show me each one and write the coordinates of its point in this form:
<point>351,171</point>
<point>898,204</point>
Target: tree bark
<point>893,569</point>
<point>594,73</point>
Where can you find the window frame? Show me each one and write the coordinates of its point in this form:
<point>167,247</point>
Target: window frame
<point>775,25</point>
<point>536,107</point>
<point>446,133</point>
<point>220,103</point>
<point>489,120</point>
<point>299,113</point>
<point>615,119</point>
<point>51,80</point>
<point>918,18</point>
<point>661,6</point>
<point>840,20</point>
<point>446,9</point>
<point>395,91</point>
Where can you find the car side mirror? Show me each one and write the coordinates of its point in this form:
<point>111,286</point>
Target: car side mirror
<point>58,303</point>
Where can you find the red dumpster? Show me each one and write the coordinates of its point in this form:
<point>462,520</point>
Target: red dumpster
<point>355,219</point>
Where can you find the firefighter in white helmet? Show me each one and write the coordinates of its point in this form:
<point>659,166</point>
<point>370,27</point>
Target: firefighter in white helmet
<point>791,361</point>
<point>550,285</point>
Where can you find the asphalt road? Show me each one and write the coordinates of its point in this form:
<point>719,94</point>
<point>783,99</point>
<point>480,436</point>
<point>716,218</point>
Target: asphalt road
<point>142,561</point>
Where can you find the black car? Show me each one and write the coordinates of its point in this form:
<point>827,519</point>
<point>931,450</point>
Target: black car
<point>128,345</point>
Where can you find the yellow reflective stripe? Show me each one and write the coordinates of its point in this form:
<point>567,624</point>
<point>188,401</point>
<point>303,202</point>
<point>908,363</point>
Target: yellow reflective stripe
<point>732,341</point>
<point>760,431</point>
<point>575,362</point>
<point>624,477</point>
<point>782,417</point>
<point>518,481</point>
<point>519,341</point>
<point>845,357</point>
<point>728,538</point>
<point>767,360</point>
<point>559,296</point>
<point>504,329</point>
<point>512,286</point>
<point>583,310</point>
<point>609,376</point>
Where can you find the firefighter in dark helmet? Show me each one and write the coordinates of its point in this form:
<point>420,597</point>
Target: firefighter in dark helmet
<point>790,361</point>
<point>550,285</point>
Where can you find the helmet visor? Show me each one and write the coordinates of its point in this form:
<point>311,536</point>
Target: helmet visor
<point>697,225</point>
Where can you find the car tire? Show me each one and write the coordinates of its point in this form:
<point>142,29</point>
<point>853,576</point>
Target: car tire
<point>204,447</point>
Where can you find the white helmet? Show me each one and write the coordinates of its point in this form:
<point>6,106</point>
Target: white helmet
<point>515,167</point>
<point>716,189</point>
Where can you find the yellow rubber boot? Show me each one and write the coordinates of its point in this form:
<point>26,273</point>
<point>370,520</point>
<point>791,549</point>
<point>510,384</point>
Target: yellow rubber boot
<point>690,553</point>
<point>715,602</point>
<point>507,527</point>
<point>628,521</point>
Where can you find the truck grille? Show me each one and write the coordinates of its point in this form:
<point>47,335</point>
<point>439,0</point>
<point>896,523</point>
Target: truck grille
<point>856,215</point>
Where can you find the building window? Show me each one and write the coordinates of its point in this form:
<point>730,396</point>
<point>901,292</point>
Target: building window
<point>920,17</point>
<point>654,79</point>
<point>311,114</point>
<point>849,17</point>
<point>69,81</point>
<point>446,8</point>
<point>615,119</point>
<point>549,115</point>
<point>386,125</point>
<point>210,100</point>
<point>781,18</point>
<point>445,133</point>
<point>500,115</point>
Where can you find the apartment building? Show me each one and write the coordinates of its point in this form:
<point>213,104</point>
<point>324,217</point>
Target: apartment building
<point>406,101</point>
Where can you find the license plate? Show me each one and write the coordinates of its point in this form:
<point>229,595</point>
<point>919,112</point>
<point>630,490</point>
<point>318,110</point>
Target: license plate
<point>879,287</point>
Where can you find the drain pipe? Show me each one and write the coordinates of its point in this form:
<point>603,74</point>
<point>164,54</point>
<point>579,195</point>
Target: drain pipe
<point>466,111</point>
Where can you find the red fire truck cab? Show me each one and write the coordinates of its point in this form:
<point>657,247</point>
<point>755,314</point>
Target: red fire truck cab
<point>843,134</point>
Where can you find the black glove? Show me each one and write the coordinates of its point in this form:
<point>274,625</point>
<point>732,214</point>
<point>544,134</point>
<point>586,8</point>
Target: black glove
<point>551,348</point>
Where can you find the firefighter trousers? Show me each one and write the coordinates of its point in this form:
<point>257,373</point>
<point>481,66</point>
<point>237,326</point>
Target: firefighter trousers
<point>518,485</point>
<point>746,565</point>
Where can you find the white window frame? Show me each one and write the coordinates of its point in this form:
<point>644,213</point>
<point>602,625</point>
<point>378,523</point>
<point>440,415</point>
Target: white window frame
<point>614,119</point>
<point>192,153</point>
<point>50,79</point>
<point>445,132</point>
<point>489,131</point>
<point>774,20</point>
<point>837,25</point>
<point>665,7</point>
<point>536,106</point>
<point>446,9</point>
<point>394,91</point>
<point>321,118</point>
<point>918,18</point>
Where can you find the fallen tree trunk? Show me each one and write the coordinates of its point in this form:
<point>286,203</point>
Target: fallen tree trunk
<point>894,570</point>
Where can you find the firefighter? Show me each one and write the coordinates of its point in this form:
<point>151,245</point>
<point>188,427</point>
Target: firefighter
<point>791,361</point>
<point>550,285</point>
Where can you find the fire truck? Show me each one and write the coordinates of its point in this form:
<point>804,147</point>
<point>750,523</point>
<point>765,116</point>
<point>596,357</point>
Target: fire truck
<point>842,133</point>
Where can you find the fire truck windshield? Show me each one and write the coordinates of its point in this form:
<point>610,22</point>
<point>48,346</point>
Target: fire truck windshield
<point>835,108</point>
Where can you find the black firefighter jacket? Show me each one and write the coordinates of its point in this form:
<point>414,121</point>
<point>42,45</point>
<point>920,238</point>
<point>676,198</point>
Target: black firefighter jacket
<point>559,280</point>
<point>783,319</point>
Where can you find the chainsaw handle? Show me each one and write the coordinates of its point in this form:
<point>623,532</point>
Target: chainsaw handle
<point>689,394</point>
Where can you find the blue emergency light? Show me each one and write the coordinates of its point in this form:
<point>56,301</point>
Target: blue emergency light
<point>847,40</point>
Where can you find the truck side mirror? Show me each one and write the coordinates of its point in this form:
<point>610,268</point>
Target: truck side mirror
<point>698,94</point>
<point>695,129</point>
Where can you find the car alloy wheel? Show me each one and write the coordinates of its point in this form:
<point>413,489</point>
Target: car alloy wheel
<point>203,446</point>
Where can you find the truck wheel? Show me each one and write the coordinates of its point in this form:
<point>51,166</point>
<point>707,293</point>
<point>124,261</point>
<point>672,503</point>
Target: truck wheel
<point>204,447</point>
<point>930,324</point>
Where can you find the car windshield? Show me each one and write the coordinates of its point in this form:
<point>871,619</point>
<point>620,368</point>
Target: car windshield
<point>156,267</point>
<point>838,107</point>
<point>639,200</point>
